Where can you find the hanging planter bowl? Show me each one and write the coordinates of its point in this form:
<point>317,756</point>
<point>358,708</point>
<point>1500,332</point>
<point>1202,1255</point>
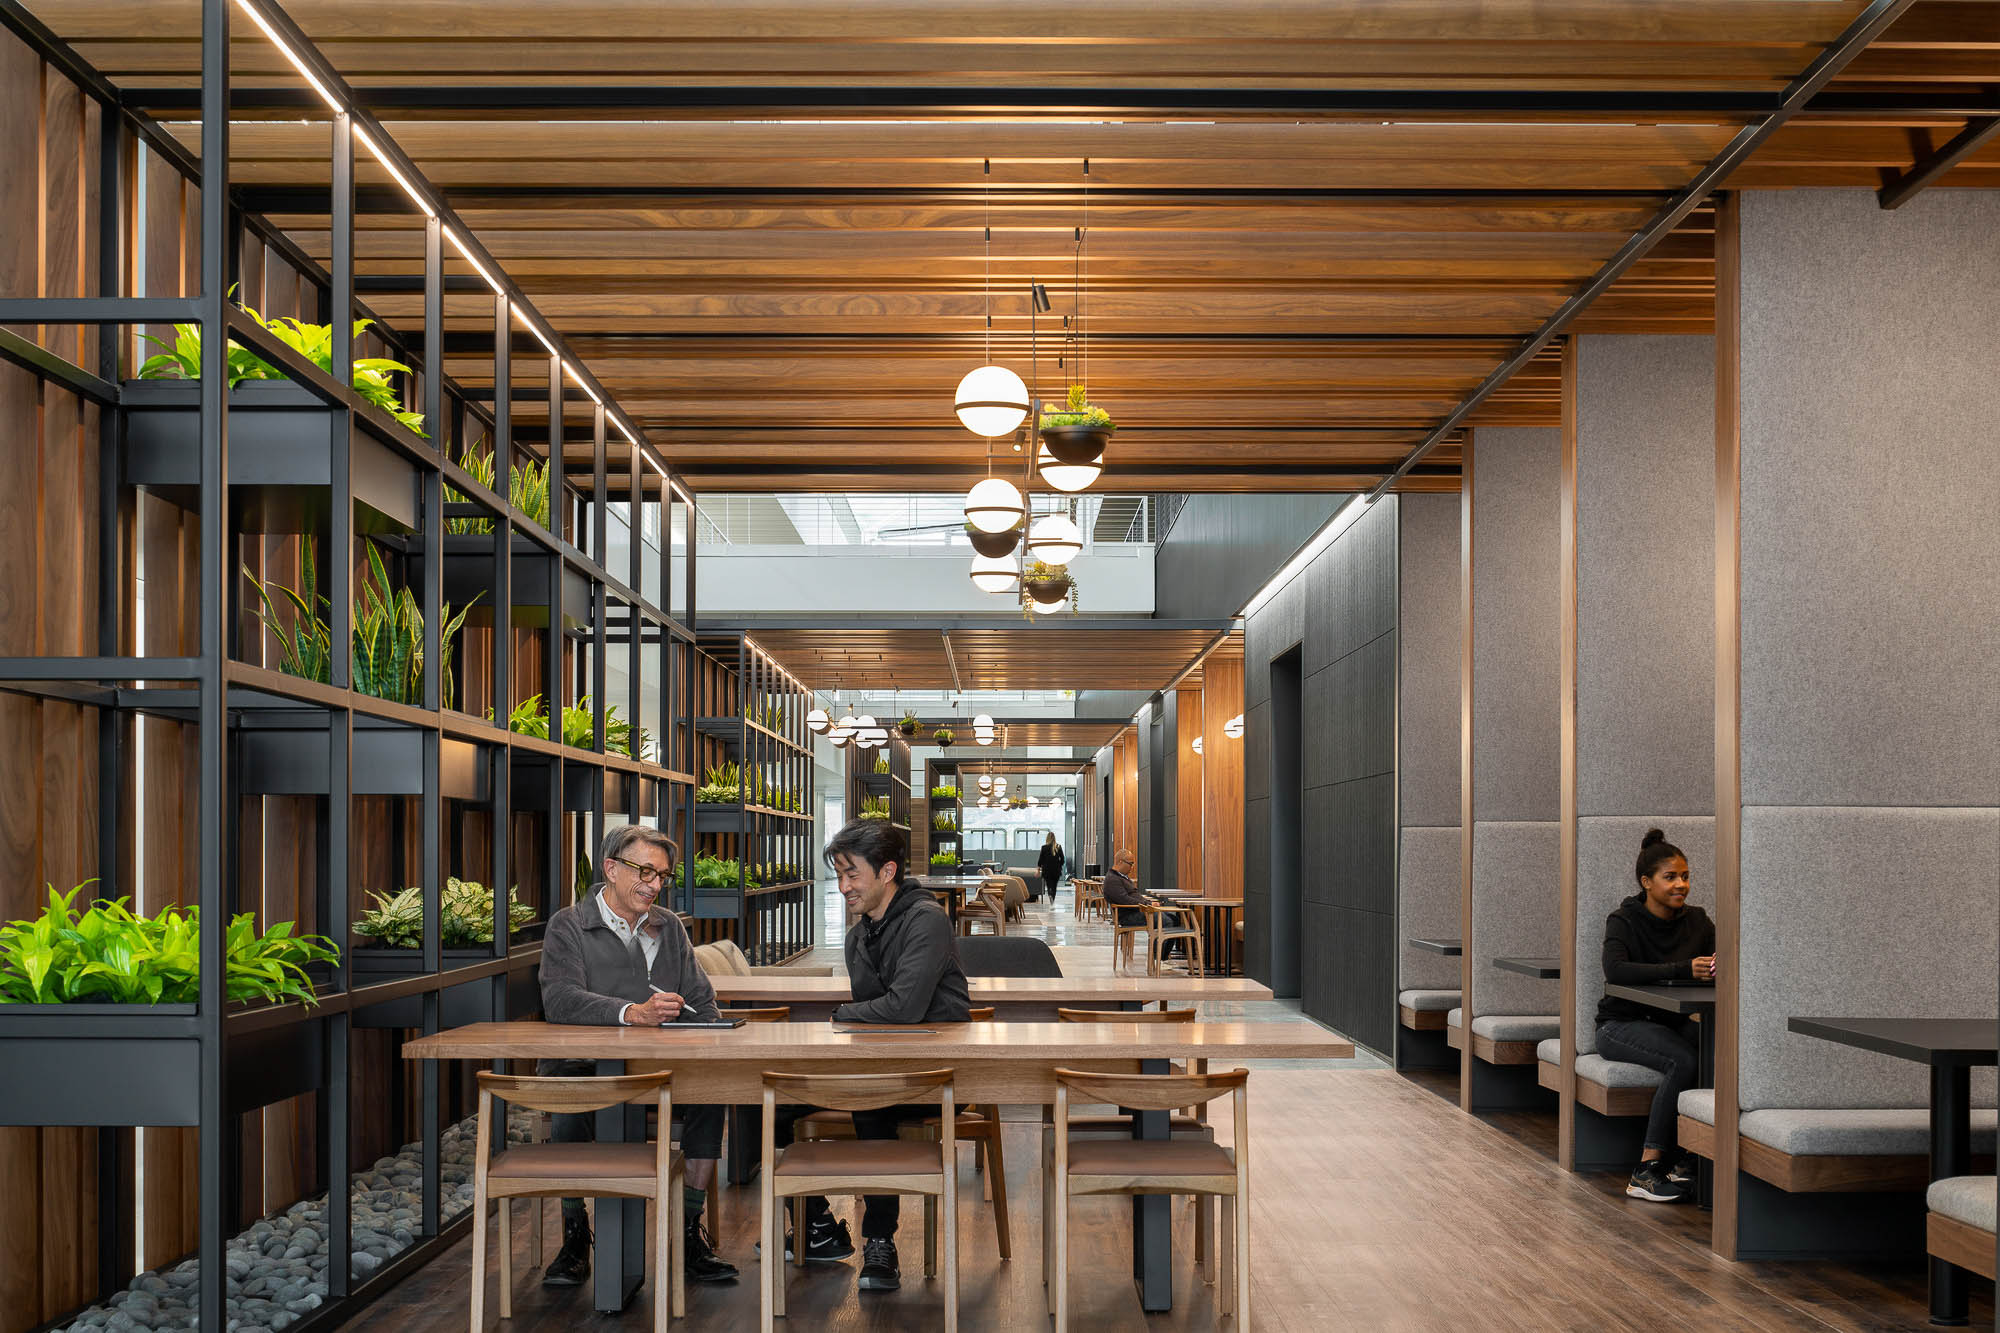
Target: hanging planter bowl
<point>1047,591</point>
<point>993,545</point>
<point>909,726</point>
<point>1076,444</point>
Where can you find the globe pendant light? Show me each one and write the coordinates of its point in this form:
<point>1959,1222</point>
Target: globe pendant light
<point>991,401</point>
<point>985,784</point>
<point>984,720</point>
<point>1054,539</point>
<point>984,735</point>
<point>1069,478</point>
<point>994,505</point>
<point>842,731</point>
<point>817,721</point>
<point>1048,608</point>
<point>1233,728</point>
<point>995,573</point>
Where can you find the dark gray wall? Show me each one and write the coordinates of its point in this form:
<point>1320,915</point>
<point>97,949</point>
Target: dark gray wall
<point>1430,627</point>
<point>1342,610</point>
<point>1222,548</point>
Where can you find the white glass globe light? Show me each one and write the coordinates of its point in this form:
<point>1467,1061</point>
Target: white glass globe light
<point>984,735</point>
<point>837,738</point>
<point>991,401</point>
<point>817,720</point>
<point>1055,540</point>
<point>985,801</point>
<point>984,720</point>
<point>1068,478</point>
<point>994,505</point>
<point>995,573</point>
<point>985,784</point>
<point>1049,608</point>
<point>843,730</point>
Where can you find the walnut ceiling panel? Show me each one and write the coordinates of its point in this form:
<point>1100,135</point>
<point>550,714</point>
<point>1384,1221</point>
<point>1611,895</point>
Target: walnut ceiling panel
<point>1054,654</point>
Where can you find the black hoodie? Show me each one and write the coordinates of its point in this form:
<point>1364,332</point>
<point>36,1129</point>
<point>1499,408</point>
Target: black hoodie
<point>1640,949</point>
<point>904,968</point>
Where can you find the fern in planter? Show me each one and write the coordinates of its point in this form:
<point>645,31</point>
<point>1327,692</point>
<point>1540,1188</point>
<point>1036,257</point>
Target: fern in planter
<point>465,916</point>
<point>944,860</point>
<point>108,955</point>
<point>874,807</point>
<point>942,736</point>
<point>944,791</point>
<point>181,360</point>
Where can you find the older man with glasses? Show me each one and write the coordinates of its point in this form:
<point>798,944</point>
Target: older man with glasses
<point>617,957</point>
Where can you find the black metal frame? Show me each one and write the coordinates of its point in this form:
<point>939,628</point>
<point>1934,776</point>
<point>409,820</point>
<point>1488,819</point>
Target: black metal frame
<point>216,1059</point>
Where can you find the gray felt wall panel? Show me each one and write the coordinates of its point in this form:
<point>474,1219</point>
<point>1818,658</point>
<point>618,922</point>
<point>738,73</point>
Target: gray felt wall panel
<point>1860,911</point>
<point>1645,575</point>
<point>1431,645</point>
<point>1871,474</point>
<point>1607,850</point>
<point>1516,623</point>
<point>1428,891</point>
<point>1513,914</point>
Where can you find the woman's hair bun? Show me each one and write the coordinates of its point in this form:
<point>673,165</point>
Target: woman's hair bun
<point>1653,835</point>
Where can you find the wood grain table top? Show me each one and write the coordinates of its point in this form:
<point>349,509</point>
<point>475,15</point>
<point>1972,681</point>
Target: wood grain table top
<point>1008,990</point>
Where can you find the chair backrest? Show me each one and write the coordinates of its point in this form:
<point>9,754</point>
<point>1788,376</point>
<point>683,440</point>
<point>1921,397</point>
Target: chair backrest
<point>722,958</point>
<point>1125,1015</point>
<point>777,1013</point>
<point>574,1095</point>
<point>1151,1092</point>
<point>1006,956</point>
<point>979,1013</point>
<point>860,1092</point>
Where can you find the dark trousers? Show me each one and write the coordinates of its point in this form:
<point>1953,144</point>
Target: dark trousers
<point>879,1212</point>
<point>700,1136</point>
<point>1049,882</point>
<point>1668,1048</point>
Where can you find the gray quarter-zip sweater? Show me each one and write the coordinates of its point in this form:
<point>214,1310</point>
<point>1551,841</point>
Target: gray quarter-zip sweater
<point>588,976</point>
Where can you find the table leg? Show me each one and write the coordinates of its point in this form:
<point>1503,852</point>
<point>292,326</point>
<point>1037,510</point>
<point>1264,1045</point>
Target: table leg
<point>1704,1171</point>
<point>1152,1218</point>
<point>618,1257</point>
<point>1951,1155</point>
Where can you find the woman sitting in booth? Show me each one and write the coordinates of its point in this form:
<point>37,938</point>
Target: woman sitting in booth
<point>1654,936</point>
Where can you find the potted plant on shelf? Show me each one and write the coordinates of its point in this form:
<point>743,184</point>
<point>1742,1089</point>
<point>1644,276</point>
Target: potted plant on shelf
<point>874,807</point>
<point>944,860</point>
<point>1047,585</point>
<point>909,726</point>
<point>944,791</point>
<point>942,738</point>
<point>993,545</point>
<point>1078,431</point>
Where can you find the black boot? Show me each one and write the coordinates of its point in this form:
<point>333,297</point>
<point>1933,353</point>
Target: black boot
<point>703,1264</point>
<point>572,1265</point>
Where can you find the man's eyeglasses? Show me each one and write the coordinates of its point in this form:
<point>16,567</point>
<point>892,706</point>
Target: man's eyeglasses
<point>647,874</point>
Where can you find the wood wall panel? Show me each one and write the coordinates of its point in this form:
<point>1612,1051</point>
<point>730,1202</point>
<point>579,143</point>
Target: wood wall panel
<point>1222,769</point>
<point>1189,787</point>
<point>1125,795</point>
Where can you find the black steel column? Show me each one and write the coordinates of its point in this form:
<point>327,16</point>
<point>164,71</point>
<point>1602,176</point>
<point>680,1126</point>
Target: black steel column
<point>1951,1155</point>
<point>338,579</point>
<point>431,597</point>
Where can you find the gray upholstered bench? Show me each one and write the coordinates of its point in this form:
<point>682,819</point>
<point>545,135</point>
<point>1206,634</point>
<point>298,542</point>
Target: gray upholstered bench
<point>1502,1039</point>
<point>1424,1010</point>
<point>1608,1087</point>
<point>1813,1150</point>
<point>1959,1229</point>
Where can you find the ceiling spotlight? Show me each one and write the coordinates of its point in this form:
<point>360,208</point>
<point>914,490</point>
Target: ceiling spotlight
<point>1068,478</point>
<point>1055,540</point>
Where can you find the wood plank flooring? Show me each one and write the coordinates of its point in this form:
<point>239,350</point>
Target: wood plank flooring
<point>1376,1205</point>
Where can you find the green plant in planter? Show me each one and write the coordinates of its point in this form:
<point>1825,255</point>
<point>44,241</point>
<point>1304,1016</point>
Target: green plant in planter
<point>529,718</point>
<point>465,916</point>
<point>723,785</point>
<point>874,807</point>
<point>944,860</point>
<point>771,716</point>
<point>1077,412</point>
<point>942,736</point>
<point>944,822</point>
<point>712,872</point>
<point>527,489</point>
<point>108,955</point>
<point>944,791</point>
<point>1038,571</point>
<point>181,360</point>
<point>881,764</point>
<point>909,726</point>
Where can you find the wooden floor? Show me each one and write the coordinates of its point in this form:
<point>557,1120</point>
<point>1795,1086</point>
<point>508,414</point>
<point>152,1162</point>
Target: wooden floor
<point>1377,1205</point>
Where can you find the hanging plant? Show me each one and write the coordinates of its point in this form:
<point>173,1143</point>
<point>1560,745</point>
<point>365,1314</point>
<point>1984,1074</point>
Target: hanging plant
<point>993,545</point>
<point>1046,585</point>
<point>942,737</point>
<point>1078,431</point>
<point>909,726</point>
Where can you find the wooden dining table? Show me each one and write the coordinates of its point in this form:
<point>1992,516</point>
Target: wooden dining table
<point>1013,998</point>
<point>1216,919</point>
<point>993,1063</point>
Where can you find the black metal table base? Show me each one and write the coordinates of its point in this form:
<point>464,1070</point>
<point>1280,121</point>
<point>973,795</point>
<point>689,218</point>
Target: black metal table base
<point>1152,1218</point>
<point>618,1256</point>
<point>1951,1155</point>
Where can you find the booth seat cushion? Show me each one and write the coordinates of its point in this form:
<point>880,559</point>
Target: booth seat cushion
<point>1869,1133</point>
<point>1699,1104</point>
<point>1429,1001</point>
<point>1615,1073</point>
<point>1967,1199</point>
<point>1550,1051</point>
<point>1515,1027</point>
<point>1455,1019</point>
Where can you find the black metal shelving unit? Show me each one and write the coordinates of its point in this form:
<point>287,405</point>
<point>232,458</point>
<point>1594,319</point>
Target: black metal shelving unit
<point>945,772</point>
<point>592,604</point>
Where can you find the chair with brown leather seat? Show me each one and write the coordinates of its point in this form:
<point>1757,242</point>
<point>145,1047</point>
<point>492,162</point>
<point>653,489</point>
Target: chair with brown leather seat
<point>863,1166</point>
<point>1207,1170</point>
<point>589,1170</point>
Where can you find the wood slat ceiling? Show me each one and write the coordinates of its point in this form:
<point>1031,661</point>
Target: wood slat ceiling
<point>784,295</point>
<point>1057,653</point>
<point>1079,733</point>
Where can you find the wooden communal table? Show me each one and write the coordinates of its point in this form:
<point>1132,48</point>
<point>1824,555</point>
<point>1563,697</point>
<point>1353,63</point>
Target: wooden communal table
<point>1014,998</point>
<point>1015,1062</point>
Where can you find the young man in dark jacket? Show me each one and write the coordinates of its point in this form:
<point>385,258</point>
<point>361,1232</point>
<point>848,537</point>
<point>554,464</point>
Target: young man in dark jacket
<point>619,958</point>
<point>902,967</point>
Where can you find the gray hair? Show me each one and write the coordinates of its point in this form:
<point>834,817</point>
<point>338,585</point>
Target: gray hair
<point>619,839</point>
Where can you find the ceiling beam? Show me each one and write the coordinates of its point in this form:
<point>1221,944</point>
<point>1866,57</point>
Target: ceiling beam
<point>1871,23</point>
<point>1926,172</point>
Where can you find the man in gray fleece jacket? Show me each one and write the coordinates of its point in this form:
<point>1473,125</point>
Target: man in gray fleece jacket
<point>619,958</point>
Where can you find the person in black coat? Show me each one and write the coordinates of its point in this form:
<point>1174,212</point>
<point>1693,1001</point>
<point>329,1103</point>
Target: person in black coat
<point>1654,936</point>
<point>1050,863</point>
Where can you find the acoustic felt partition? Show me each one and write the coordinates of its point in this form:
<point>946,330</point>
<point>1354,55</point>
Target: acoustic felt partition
<point>1427,880</point>
<point>1860,911</point>
<point>1607,849</point>
<point>1513,914</point>
<point>1516,624</point>
<point>1429,627</point>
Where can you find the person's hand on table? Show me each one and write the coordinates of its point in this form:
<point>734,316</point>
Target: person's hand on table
<point>1703,968</point>
<point>663,1007</point>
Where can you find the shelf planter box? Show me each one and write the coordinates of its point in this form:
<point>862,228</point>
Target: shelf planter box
<point>714,818</point>
<point>280,457</point>
<point>530,784</point>
<point>470,1002</point>
<point>285,750</point>
<point>71,1078</point>
<point>468,573</point>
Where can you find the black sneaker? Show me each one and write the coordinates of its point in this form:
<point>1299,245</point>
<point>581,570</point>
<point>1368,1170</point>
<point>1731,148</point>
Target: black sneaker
<point>570,1267</point>
<point>1650,1182</point>
<point>878,1265</point>
<point>1684,1169</point>
<point>703,1264</point>
<point>827,1241</point>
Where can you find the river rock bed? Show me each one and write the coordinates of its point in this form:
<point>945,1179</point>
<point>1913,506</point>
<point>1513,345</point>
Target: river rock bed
<point>277,1269</point>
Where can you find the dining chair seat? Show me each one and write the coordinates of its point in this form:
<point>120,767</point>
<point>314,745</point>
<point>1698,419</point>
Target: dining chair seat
<point>865,1157</point>
<point>1131,1159</point>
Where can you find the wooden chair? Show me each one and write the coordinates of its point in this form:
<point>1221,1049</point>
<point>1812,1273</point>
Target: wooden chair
<point>1172,1166</point>
<point>1162,928</point>
<point>979,1128</point>
<point>896,1166</point>
<point>592,1170</point>
<point>991,908</point>
<point>1123,935</point>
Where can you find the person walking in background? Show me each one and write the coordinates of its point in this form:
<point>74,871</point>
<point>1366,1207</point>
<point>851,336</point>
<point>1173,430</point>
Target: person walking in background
<point>1051,865</point>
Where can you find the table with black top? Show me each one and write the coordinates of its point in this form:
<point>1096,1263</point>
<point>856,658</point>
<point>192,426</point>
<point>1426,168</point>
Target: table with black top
<point>1952,1047</point>
<point>1685,1001</point>
<point>1449,948</point>
<point>1548,969</point>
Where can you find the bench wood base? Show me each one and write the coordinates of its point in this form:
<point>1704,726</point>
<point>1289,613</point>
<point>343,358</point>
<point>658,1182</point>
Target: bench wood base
<point>1817,1175</point>
<point>1599,1097</point>
<point>1504,1052</point>
<point>1421,1020</point>
<point>1960,1243</point>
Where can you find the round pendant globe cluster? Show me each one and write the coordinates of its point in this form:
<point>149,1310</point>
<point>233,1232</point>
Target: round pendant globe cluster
<point>991,401</point>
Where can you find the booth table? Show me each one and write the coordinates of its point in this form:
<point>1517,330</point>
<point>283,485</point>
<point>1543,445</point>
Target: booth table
<point>1548,969</point>
<point>994,1063</point>
<point>1449,948</point>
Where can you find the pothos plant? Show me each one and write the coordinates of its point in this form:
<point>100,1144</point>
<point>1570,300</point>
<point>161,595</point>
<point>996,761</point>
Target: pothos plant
<point>1050,577</point>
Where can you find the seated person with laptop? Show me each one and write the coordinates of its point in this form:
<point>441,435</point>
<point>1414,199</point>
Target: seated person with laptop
<point>1655,937</point>
<point>618,958</point>
<point>902,968</point>
<point>1122,892</point>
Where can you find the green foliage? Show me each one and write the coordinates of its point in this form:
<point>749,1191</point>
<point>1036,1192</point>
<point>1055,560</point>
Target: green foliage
<point>768,873</point>
<point>465,916</point>
<point>945,791</point>
<point>944,821</point>
<point>1038,571</point>
<point>881,764</point>
<point>388,637</point>
<point>181,360</point>
<point>529,718</point>
<point>108,955</point>
<point>942,736</point>
<point>1077,412</point>
<point>909,726</point>
<point>874,807</point>
<point>723,786</point>
<point>944,860</point>
<point>771,716</point>
<point>714,872</point>
<point>527,489</point>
